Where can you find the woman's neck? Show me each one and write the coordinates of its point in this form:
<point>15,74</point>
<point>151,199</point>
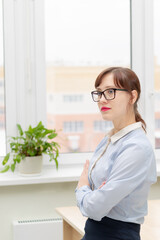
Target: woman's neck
<point>122,124</point>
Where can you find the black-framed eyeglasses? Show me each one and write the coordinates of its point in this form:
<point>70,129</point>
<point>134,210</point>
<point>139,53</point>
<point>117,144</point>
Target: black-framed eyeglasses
<point>109,94</point>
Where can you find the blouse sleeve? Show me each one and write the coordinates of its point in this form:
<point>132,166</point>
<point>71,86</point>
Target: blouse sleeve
<point>132,167</point>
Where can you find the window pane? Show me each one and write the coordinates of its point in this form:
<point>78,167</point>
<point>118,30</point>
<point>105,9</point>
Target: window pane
<point>83,37</point>
<point>2,105</point>
<point>157,71</point>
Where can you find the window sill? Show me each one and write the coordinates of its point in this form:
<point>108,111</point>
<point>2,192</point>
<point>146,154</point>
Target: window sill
<point>158,169</point>
<point>65,173</point>
<point>49,174</point>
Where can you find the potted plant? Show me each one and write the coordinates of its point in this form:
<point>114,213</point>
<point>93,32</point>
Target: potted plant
<point>28,147</point>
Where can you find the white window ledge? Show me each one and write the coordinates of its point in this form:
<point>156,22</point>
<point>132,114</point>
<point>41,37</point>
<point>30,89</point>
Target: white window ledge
<point>49,174</point>
<point>70,168</point>
<point>65,173</point>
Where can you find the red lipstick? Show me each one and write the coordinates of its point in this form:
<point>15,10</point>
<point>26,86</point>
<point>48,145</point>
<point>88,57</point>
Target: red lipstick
<point>104,109</point>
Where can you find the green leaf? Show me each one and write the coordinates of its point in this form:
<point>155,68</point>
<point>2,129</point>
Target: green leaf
<point>40,124</point>
<point>31,152</point>
<point>6,158</point>
<point>13,138</point>
<point>53,135</point>
<point>53,158</point>
<point>32,142</point>
<point>57,153</point>
<point>18,158</point>
<point>47,131</point>
<point>12,144</point>
<point>20,129</point>
<point>30,129</point>
<point>5,169</point>
<point>28,135</point>
<point>23,156</point>
<point>13,167</point>
<point>56,161</point>
<point>56,145</point>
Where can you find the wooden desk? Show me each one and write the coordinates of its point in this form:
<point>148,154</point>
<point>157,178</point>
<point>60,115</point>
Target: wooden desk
<point>151,227</point>
<point>74,222</point>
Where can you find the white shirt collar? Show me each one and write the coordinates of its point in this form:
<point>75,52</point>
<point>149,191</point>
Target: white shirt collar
<point>123,131</point>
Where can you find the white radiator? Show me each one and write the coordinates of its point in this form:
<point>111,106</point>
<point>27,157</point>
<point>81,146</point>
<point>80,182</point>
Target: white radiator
<point>40,229</point>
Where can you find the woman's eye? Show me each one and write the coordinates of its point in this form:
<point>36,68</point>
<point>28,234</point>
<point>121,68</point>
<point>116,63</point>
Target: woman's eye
<point>110,91</point>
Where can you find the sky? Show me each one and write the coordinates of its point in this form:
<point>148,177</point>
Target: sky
<point>89,31</point>
<point>85,31</point>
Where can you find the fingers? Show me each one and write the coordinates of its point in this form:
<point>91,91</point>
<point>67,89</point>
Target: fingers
<point>86,166</point>
<point>87,163</point>
<point>84,176</point>
<point>102,184</point>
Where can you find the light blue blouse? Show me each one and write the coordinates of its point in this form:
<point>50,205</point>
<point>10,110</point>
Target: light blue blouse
<point>128,168</point>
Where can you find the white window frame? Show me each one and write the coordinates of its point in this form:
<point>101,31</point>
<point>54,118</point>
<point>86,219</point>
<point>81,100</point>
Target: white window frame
<point>25,82</point>
<point>143,61</point>
<point>25,95</point>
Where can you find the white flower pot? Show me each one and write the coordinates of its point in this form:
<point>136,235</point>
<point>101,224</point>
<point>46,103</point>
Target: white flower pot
<point>30,166</point>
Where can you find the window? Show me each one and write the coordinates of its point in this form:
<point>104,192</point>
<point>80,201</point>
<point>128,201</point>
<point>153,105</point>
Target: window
<point>157,71</point>
<point>102,126</point>
<point>72,98</point>
<point>2,103</point>
<point>73,131</point>
<point>82,37</point>
<point>76,49</point>
<point>73,127</point>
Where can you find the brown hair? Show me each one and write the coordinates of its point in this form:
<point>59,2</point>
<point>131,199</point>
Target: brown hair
<point>127,79</point>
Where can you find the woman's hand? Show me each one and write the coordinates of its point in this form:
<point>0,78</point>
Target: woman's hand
<point>102,184</point>
<point>83,181</point>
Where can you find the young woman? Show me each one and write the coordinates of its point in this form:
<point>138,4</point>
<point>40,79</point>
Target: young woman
<point>113,188</point>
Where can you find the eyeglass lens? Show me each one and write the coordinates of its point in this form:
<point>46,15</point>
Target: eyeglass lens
<point>109,94</point>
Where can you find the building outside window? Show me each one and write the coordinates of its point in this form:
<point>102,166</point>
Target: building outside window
<point>102,126</point>
<point>73,127</point>
<point>73,131</point>
<point>77,49</point>
<point>72,98</point>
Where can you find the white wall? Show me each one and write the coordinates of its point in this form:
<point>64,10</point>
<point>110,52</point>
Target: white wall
<point>39,201</point>
<point>32,202</point>
<point>155,190</point>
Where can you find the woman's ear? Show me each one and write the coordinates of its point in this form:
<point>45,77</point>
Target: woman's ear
<point>134,96</point>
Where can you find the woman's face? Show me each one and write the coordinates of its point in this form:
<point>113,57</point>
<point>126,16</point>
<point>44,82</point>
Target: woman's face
<point>118,110</point>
